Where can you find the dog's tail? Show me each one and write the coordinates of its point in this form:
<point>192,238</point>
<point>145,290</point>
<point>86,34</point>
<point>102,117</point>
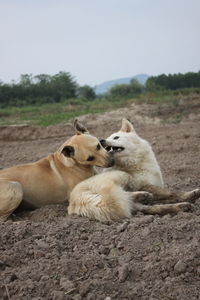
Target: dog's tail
<point>112,204</point>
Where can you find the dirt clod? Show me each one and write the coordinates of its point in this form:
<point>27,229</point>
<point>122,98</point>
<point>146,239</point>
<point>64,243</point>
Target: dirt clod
<point>123,272</point>
<point>180,267</point>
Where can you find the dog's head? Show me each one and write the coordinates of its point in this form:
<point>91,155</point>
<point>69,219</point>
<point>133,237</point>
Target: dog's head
<point>125,145</point>
<point>86,149</point>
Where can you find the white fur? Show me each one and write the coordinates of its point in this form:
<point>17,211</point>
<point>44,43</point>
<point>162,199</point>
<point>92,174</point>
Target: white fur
<point>137,159</point>
<point>110,195</point>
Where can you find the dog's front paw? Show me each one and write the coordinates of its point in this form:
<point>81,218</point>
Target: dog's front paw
<point>192,195</point>
<point>143,197</point>
<point>185,206</point>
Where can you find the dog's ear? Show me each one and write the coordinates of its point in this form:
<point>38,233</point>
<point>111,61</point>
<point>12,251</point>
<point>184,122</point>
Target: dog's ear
<point>68,151</point>
<point>79,127</point>
<point>127,126</point>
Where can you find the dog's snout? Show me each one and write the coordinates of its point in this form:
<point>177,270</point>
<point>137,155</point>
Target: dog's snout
<point>103,143</point>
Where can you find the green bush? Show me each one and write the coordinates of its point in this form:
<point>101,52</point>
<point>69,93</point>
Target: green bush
<point>126,90</point>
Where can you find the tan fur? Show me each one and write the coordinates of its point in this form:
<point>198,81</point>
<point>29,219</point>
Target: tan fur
<point>133,182</point>
<point>51,179</point>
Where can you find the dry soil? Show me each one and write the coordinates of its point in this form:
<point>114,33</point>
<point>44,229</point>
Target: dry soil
<point>46,254</point>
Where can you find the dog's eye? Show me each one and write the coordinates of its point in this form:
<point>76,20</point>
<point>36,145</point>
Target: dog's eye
<point>98,147</point>
<point>116,138</point>
<point>91,158</point>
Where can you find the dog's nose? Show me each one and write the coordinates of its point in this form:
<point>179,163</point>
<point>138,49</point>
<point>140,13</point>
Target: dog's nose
<point>103,143</point>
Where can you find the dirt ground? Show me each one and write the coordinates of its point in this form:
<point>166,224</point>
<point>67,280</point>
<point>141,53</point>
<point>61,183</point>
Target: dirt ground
<point>46,254</point>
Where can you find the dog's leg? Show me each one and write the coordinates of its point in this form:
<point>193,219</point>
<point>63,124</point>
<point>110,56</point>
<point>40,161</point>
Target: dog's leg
<point>11,195</point>
<point>164,195</point>
<point>138,199</point>
<point>191,196</point>
<point>109,203</point>
<point>162,209</point>
<point>141,197</point>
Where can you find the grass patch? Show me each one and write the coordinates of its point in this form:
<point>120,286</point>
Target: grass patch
<point>54,113</point>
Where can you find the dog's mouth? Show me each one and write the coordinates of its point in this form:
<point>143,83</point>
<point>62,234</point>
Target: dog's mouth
<point>114,149</point>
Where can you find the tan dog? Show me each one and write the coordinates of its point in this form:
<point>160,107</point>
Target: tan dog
<point>134,181</point>
<point>51,179</point>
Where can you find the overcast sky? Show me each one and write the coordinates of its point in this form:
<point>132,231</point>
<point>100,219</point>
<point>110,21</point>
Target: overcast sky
<point>98,40</point>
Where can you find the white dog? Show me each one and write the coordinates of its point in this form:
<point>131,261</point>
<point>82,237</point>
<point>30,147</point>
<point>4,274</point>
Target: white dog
<point>123,189</point>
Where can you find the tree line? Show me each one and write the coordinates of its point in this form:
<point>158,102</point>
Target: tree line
<point>173,81</point>
<point>157,83</point>
<point>42,89</point>
<point>45,88</point>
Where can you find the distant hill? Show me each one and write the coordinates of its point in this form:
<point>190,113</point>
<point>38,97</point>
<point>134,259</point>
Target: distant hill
<point>105,86</point>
